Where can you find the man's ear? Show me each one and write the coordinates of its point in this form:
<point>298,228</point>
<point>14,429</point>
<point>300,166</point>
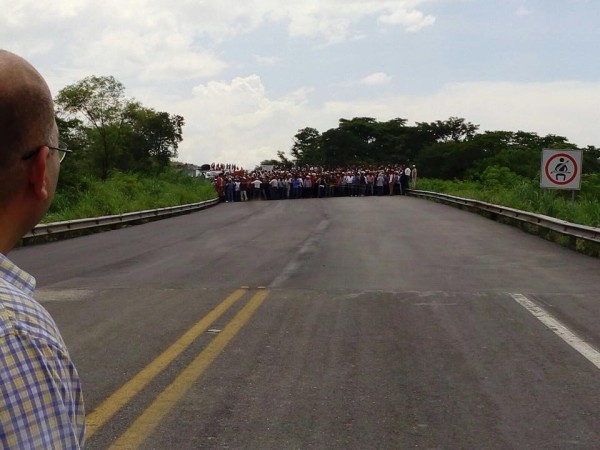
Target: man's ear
<point>37,173</point>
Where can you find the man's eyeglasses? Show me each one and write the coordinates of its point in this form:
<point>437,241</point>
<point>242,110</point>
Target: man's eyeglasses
<point>62,149</point>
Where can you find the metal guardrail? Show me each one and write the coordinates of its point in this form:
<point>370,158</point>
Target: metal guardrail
<point>550,223</point>
<point>99,222</point>
<point>560,226</point>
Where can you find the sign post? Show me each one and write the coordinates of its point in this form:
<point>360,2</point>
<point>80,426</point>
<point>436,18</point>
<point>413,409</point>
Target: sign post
<point>561,169</point>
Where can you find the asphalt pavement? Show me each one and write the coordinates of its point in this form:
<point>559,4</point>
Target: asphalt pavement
<point>350,323</point>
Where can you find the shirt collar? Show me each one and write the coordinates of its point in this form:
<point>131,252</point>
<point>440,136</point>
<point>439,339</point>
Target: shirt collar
<point>15,276</point>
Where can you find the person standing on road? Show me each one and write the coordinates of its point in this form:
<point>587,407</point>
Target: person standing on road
<point>296,187</point>
<point>307,186</point>
<point>243,189</point>
<point>380,182</point>
<point>370,180</point>
<point>41,402</point>
<point>256,183</point>
<point>229,190</point>
<point>274,188</point>
<point>405,179</point>
<point>237,185</point>
<point>391,182</point>
<point>413,177</point>
<point>220,185</point>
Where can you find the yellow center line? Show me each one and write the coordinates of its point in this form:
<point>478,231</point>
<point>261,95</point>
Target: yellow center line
<point>123,395</point>
<point>147,422</point>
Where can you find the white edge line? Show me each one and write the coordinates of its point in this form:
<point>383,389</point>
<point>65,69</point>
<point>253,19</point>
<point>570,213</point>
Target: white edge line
<point>588,351</point>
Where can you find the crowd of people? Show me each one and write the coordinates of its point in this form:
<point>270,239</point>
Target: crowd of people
<point>314,182</point>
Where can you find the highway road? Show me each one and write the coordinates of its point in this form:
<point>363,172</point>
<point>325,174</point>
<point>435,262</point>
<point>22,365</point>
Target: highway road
<point>343,323</point>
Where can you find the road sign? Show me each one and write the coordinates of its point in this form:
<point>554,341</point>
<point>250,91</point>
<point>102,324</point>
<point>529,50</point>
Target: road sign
<point>561,169</point>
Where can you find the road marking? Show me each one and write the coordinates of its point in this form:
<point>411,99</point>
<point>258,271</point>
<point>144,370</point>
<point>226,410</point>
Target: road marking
<point>588,351</point>
<point>150,418</point>
<point>309,246</point>
<point>123,395</point>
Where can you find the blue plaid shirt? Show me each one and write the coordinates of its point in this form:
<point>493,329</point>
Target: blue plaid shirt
<point>41,404</point>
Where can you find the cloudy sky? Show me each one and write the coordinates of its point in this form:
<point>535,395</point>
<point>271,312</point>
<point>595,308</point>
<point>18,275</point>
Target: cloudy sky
<point>248,74</point>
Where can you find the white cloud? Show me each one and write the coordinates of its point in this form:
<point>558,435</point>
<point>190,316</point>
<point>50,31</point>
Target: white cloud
<point>157,58</point>
<point>152,40</point>
<point>266,60</point>
<point>412,20</point>
<point>218,18</point>
<point>567,108</point>
<point>332,19</point>
<point>142,39</point>
<point>524,11</point>
<point>236,122</point>
<point>376,79</point>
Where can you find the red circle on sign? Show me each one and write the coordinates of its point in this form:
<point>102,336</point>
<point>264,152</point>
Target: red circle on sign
<point>566,181</point>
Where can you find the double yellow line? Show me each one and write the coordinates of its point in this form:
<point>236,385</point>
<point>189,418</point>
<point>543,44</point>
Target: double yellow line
<point>135,435</point>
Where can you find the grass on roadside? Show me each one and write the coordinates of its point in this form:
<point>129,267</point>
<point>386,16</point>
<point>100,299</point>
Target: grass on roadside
<point>123,193</point>
<point>502,187</point>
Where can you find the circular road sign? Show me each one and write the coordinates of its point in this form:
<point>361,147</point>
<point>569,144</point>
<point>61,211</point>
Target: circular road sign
<point>561,169</point>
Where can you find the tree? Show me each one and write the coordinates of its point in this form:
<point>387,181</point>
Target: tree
<point>444,160</point>
<point>74,135</point>
<point>98,102</point>
<point>591,159</point>
<point>455,129</point>
<point>283,160</point>
<point>365,131</point>
<point>269,162</point>
<point>389,143</point>
<point>120,133</point>
<point>307,147</point>
<point>151,138</point>
<point>364,128</point>
<point>341,147</point>
<point>518,151</point>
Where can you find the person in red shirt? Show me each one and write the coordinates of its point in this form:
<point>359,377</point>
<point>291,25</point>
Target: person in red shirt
<point>220,185</point>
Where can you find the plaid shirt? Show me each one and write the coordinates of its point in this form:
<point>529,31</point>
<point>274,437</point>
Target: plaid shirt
<point>41,404</point>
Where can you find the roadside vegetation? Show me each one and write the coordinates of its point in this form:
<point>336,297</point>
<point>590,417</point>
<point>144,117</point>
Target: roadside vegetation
<point>500,186</point>
<point>126,192</point>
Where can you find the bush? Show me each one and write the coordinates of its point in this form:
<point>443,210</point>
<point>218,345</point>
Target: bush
<point>495,177</point>
<point>125,192</point>
<point>500,186</point>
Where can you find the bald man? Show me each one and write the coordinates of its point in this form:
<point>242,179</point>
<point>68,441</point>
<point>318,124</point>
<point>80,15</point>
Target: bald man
<point>41,404</point>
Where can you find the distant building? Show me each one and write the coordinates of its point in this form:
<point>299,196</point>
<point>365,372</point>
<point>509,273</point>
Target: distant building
<point>191,170</point>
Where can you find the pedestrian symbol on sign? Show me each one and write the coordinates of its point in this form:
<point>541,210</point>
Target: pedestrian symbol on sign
<point>561,170</point>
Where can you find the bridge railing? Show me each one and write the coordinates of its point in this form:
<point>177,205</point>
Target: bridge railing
<point>47,229</point>
<point>573,230</point>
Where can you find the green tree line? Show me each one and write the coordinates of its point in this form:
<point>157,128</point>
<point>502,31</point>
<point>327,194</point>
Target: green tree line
<point>443,149</point>
<point>110,132</point>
